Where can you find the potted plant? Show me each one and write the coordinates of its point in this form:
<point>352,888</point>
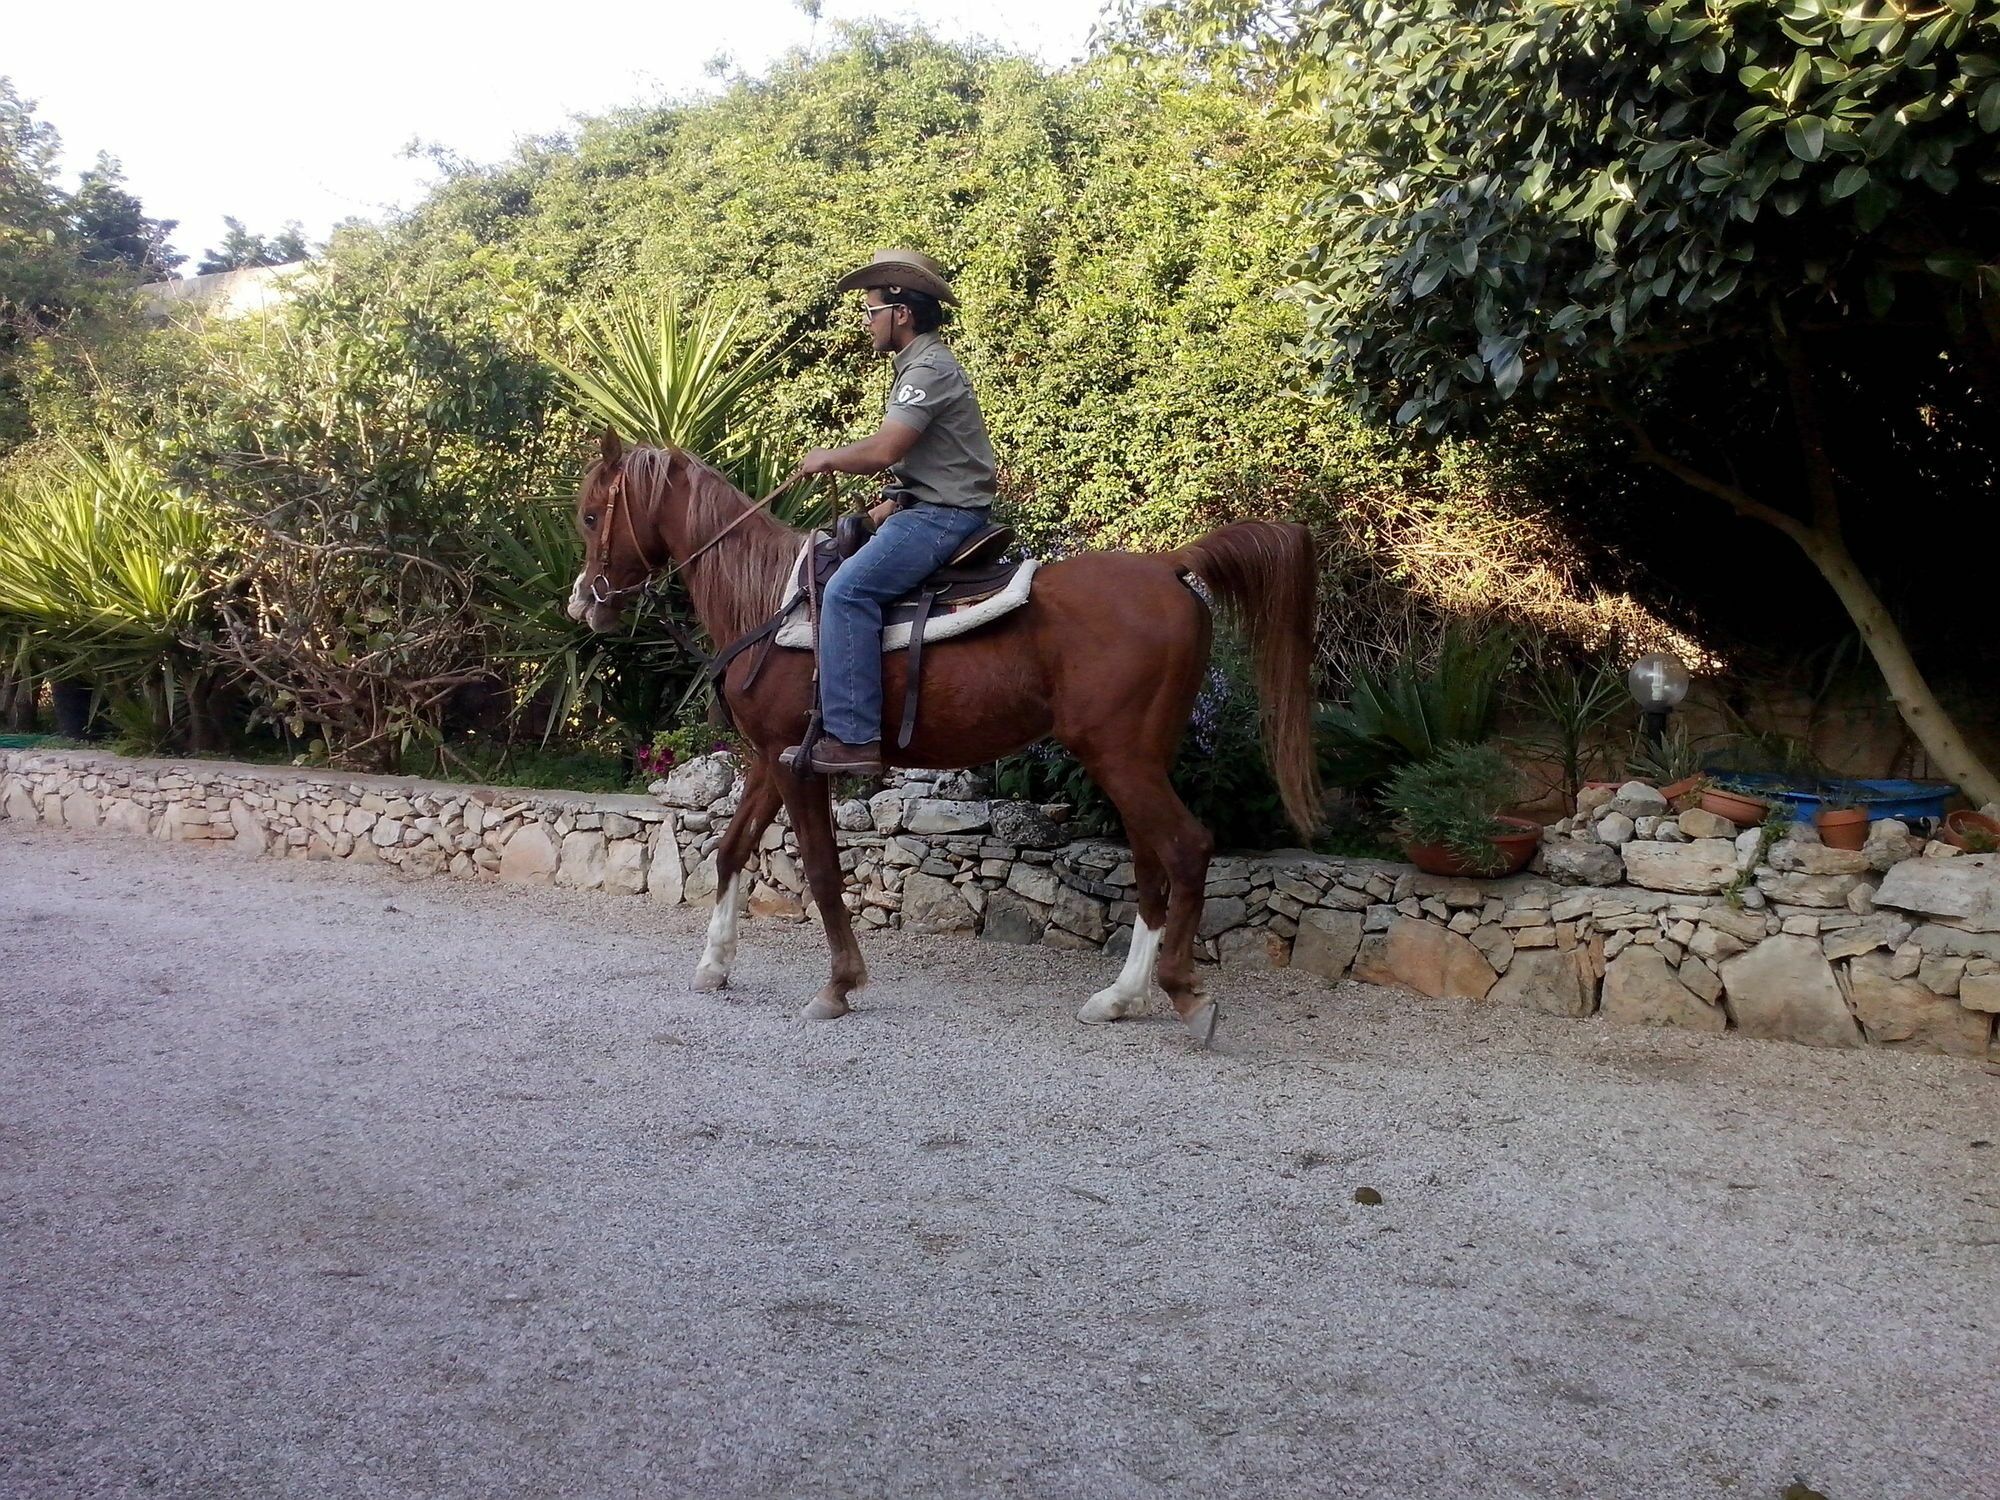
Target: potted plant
<point>1739,807</point>
<point>1447,811</point>
<point>1842,827</point>
<point>1973,832</point>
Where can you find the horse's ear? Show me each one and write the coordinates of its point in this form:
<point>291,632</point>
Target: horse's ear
<point>609,449</point>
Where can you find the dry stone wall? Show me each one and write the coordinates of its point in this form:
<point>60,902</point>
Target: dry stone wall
<point>1647,918</point>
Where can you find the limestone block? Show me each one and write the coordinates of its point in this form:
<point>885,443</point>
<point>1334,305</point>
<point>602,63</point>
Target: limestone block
<point>1783,989</point>
<point>1635,799</point>
<point>703,881</point>
<point>1825,892</point>
<point>1980,992</point>
<point>1218,915</point>
<point>1547,981</point>
<point>1036,883</point>
<point>1889,844</point>
<point>625,867</point>
<point>1437,962</point>
<point>1699,823</point>
<point>80,810</point>
<point>1025,825</point>
<point>1942,972</point>
<point>1964,891</point>
<point>1702,867</point>
<point>1080,914</point>
<point>1570,862</point>
<point>1616,828</point>
<point>1882,931</point>
<point>699,783</point>
<point>933,905</point>
<point>1371,960</point>
<point>1327,942</point>
<point>1012,918</point>
<point>1700,978</point>
<point>126,816</point>
<point>1641,990</point>
<point>1794,855</point>
<point>1252,948</point>
<point>250,838</point>
<point>1904,1014</point>
<point>529,857</point>
<point>938,815</point>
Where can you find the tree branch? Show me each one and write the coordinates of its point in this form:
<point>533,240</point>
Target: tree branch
<point>1739,500</point>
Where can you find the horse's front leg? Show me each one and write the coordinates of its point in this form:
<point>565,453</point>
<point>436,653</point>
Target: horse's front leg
<point>739,842</point>
<point>808,800</point>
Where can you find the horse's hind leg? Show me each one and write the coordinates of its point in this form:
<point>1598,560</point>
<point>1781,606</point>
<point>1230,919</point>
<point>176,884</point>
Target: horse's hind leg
<point>811,805</point>
<point>739,842</point>
<point>1157,821</point>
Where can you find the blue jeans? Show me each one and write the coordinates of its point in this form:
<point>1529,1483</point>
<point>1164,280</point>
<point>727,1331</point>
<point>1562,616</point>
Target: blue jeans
<point>907,549</point>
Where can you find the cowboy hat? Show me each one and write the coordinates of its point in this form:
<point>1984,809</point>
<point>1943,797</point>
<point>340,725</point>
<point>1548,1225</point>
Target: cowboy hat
<point>900,270</point>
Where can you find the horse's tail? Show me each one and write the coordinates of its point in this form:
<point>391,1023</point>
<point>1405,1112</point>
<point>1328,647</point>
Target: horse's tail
<point>1266,574</point>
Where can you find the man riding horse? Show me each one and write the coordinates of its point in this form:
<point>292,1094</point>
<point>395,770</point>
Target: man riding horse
<point>1102,652</point>
<point>933,445</point>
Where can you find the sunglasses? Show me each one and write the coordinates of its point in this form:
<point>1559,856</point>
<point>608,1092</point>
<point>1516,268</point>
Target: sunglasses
<point>868,312</point>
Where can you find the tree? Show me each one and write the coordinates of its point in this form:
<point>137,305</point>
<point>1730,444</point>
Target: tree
<point>113,226</point>
<point>241,249</point>
<point>1760,236</point>
<point>37,251</point>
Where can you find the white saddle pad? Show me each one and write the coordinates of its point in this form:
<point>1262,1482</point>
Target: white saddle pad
<point>797,632</point>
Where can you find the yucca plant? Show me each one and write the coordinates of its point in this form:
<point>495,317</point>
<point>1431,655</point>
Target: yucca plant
<point>529,557</point>
<point>107,575</point>
<point>1413,710</point>
<point>666,375</point>
<point>678,377</point>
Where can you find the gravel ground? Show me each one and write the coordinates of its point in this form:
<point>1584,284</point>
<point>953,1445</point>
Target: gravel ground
<point>316,1182</point>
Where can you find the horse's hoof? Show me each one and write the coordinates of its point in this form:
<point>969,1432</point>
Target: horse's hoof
<point>1104,1007</point>
<point>706,980</point>
<point>1201,1024</point>
<point>824,1008</point>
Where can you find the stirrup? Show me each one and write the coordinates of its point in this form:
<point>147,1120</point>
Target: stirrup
<point>831,757</point>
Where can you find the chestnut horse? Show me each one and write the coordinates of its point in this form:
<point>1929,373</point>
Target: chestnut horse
<point>1106,658</point>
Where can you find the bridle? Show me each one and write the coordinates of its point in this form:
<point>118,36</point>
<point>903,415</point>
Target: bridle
<point>601,591</point>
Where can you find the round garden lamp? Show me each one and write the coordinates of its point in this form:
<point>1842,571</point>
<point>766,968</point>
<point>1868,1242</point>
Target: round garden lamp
<point>1657,681</point>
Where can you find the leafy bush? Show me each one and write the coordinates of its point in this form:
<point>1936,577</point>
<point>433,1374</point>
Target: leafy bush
<point>1454,798</point>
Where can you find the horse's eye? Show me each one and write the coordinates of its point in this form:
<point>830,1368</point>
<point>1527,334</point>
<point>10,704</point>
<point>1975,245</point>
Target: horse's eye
<point>589,520</point>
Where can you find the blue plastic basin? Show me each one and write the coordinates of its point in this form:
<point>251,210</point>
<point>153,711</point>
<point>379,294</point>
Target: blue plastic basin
<point>1882,799</point>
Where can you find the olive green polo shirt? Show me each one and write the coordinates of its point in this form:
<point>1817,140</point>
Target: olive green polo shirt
<point>952,462</point>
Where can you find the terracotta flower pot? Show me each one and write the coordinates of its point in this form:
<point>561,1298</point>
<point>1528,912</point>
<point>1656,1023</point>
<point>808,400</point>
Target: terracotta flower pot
<point>1517,848</point>
<point>1969,830</point>
<point>1842,827</point>
<point>1673,791</point>
<point>1739,809</point>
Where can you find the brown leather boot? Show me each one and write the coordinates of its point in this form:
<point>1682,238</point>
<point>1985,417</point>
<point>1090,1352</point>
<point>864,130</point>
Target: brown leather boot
<point>832,757</point>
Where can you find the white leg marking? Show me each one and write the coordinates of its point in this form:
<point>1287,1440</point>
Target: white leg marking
<point>719,956</point>
<point>1126,995</point>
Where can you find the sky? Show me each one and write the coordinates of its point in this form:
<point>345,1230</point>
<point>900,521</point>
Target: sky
<point>278,112</point>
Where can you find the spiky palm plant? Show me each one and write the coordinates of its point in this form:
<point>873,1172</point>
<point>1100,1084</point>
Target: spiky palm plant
<point>1414,710</point>
<point>666,375</point>
<point>107,576</point>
